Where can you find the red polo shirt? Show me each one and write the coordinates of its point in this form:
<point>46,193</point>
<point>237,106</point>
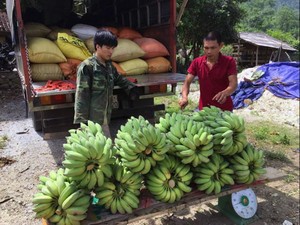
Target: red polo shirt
<point>213,81</point>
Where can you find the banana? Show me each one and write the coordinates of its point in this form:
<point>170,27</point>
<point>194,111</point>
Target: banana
<point>187,178</point>
<point>226,179</point>
<point>188,143</point>
<point>157,157</point>
<point>204,186</point>
<point>203,137</point>
<point>221,129</point>
<point>100,177</point>
<point>206,147</point>
<point>188,159</point>
<point>76,210</point>
<point>184,170</point>
<point>174,139</point>
<point>46,191</point>
<point>240,160</point>
<point>47,213</point>
<point>239,167</point>
<point>42,206</point>
<point>207,153</point>
<point>107,170</point>
<point>69,163</point>
<point>125,205</point>
<point>82,150</point>
<point>175,130</point>
<point>200,180</point>
<point>212,166</point>
<point>52,187</point>
<point>55,218</point>
<point>82,201</point>
<point>147,166</point>
<point>218,187</point>
<point>139,167</point>
<point>72,198</point>
<point>76,217</point>
<point>93,181</point>
<point>72,172</point>
<point>75,156</point>
<point>159,173</point>
<point>227,171</point>
<point>155,179</point>
<point>245,156</point>
<point>182,186</point>
<point>42,199</point>
<point>207,171</point>
<point>242,173</point>
<point>211,188</point>
<point>66,193</point>
<point>186,153</point>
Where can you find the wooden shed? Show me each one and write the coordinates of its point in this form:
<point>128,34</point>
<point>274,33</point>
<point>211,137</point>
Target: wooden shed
<point>255,49</point>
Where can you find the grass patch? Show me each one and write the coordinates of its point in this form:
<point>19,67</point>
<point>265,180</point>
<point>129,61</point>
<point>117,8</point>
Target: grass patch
<point>3,141</point>
<point>277,140</point>
<point>171,105</point>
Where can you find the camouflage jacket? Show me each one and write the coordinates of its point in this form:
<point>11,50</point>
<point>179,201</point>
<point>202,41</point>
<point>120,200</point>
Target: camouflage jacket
<point>94,91</point>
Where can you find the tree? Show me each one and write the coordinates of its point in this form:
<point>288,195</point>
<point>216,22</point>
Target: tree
<point>202,16</point>
<point>258,15</point>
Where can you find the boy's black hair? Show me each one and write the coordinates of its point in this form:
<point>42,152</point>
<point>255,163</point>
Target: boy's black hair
<point>213,36</point>
<point>105,37</point>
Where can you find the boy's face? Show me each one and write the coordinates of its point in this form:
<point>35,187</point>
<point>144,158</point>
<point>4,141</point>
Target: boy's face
<point>105,52</point>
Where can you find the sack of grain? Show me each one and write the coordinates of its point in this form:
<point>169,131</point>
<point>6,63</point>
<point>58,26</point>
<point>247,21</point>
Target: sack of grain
<point>128,33</point>
<point>84,31</point>
<point>42,50</point>
<point>126,50</point>
<point>72,47</point>
<point>69,68</point>
<point>55,30</point>
<point>151,47</point>
<point>45,72</point>
<point>158,65</point>
<point>119,68</point>
<point>33,29</point>
<point>134,67</point>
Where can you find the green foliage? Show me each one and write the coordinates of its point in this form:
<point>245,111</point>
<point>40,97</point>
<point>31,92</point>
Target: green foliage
<point>227,50</point>
<point>276,155</point>
<point>202,16</point>
<point>285,37</point>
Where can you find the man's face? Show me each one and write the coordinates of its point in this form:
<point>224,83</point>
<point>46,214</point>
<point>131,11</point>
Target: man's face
<point>105,52</point>
<point>212,48</point>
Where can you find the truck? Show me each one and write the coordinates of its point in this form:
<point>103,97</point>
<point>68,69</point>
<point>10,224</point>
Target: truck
<point>52,111</point>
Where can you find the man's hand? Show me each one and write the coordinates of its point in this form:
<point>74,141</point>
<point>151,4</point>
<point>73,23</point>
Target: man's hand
<point>220,97</point>
<point>183,103</point>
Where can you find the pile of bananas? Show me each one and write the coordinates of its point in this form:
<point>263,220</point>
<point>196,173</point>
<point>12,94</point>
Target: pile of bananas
<point>248,165</point>
<point>191,141</point>
<point>60,201</point>
<point>212,176</point>
<point>140,145</point>
<point>169,180</point>
<point>88,156</point>
<point>120,192</point>
<point>227,127</point>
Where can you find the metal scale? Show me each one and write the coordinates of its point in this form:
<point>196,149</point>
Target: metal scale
<point>240,206</point>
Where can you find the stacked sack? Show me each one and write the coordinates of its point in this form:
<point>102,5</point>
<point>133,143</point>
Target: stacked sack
<point>55,53</point>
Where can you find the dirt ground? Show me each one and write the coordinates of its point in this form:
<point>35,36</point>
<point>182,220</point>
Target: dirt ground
<point>27,156</point>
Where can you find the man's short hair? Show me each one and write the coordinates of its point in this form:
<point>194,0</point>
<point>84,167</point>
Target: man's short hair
<point>213,36</point>
<point>105,37</point>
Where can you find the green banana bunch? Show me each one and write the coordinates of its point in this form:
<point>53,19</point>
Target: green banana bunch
<point>59,199</point>
<point>169,180</point>
<point>212,176</point>
<point>248,165</point>
<point>88,156</point>
<point>120,192</point>
<point>206,113</point>
<point>140,148</point>
<point>165,122</point>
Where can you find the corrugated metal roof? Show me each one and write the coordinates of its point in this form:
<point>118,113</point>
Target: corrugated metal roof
<point>4,25</point>
<point>261,39</point>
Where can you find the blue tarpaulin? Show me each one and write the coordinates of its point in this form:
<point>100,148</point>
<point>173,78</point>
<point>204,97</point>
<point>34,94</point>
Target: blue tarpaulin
<point>280,78</point>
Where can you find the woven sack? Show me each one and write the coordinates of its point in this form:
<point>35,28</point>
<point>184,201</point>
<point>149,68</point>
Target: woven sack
<point>119,68</point>
<point>158,65</point>
<point>84,31</point>
<point>69,68</point>
<point>55,30</point>
<point>126,50</point>
<point>151,47</point>
<point>45,72</point>
<point>33,29</point>
<point>134,67</point>
<point>72,47</point>
<point>42,50</point>
<point>128,33</point>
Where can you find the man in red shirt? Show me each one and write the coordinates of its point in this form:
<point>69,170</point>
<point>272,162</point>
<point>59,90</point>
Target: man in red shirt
<point>217,76</point>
